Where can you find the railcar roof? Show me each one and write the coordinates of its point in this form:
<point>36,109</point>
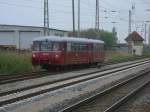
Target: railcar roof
<point>67,39</point>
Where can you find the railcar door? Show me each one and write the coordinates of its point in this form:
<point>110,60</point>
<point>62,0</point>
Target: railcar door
<point>65,53</point>
<point>96,53</point>
<point>102,52</point>
<point>58,53</point>
<point>90,53</point>
<point>70,53</point>
<point>82,53</point>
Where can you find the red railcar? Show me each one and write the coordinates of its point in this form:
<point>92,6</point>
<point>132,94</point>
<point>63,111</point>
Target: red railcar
<point>62,51</point>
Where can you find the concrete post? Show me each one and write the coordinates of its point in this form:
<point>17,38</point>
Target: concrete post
<point>17,39</point>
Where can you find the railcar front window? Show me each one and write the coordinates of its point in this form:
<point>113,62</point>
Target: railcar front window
<point>46,46</point>
<point>36,46</point>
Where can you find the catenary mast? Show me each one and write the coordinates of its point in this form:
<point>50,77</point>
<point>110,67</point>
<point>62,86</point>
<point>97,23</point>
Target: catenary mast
<point>46,18</point>
<point>97,15</point>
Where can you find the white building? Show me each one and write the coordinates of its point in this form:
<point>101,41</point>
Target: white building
<point>21,36</point>
<point>135,42</point>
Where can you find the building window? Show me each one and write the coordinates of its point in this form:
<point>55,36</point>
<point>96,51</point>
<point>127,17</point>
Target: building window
<point>137,43</point>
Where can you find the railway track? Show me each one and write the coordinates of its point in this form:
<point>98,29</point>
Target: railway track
<point>140,102</point>
<point>31,75</point>
<point>24,76</point>
<point>12,96</point>
<point>112,98</point>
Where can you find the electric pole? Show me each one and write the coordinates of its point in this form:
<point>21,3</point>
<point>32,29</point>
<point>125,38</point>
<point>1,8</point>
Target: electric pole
<point>131,12</point>
<point>145,32</point>
<point>78,18</point>
<point>73,17</point>
<point>46,18</point>
<point>149,36</point>
<point>97,15</point>
<point>130,20</point>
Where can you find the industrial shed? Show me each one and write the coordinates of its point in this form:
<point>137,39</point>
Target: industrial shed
<point>21,36</point>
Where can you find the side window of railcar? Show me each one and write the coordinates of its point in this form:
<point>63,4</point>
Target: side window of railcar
<point>99,47</point>
<point>94,47</point>
<point>56,46</point>
<point>83,47</point>
<point>102,48</point>
<point>69,47</point>
<point>50,46</point>
<point>79,47</point>
<point>74,47</point>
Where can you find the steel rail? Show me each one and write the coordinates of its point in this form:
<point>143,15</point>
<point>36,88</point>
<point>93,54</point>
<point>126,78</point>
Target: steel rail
<point>106,91</point>
<point>126,98</point>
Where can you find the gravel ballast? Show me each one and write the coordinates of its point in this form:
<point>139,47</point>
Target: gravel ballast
<point>139,103</point>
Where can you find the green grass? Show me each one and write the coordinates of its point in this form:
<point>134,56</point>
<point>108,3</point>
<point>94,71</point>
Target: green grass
<point>146,51</point>
<point>13,62</point>
<point>113,56</point>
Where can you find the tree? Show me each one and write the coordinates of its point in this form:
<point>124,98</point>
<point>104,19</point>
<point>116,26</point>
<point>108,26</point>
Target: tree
<point>110,38</point>
<point>107,37</point>
<point>89,33</point>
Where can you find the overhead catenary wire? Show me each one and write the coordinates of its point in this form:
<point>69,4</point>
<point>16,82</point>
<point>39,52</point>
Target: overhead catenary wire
<point>53,11</point>
<point>86,7</point>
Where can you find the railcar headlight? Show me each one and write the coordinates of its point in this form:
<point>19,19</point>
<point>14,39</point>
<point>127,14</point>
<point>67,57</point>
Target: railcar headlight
<point>56,56</point>
<point>34,55</point>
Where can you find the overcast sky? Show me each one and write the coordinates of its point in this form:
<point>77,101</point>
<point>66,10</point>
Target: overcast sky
<point>30,12</point>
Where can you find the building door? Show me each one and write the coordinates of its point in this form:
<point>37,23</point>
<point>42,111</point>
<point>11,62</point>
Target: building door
<point>7,38</point>
<point>26,38</point>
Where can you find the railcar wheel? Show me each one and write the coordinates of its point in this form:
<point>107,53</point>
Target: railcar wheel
<point>45,67</point>
<point>100,64</point>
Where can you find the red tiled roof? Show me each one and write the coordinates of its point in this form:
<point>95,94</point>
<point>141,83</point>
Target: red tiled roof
<point>134,36</point>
